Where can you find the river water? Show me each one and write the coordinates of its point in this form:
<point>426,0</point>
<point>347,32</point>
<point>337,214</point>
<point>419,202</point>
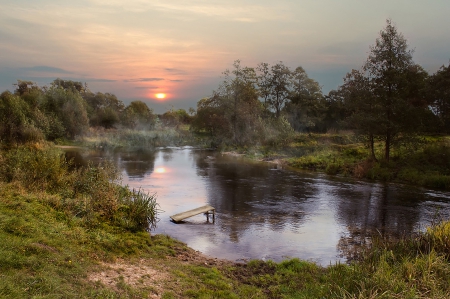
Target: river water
<point>266,212</point>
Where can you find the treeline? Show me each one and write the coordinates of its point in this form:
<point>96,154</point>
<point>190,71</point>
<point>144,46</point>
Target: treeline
<point>390,99</point>
<point>66,109</point>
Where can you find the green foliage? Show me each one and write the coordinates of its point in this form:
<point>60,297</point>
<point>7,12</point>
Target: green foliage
<point>68,107</point>
<point>387,97</point>
<point>137,115</point>
<point>17,124</point>
<point>439,97</point>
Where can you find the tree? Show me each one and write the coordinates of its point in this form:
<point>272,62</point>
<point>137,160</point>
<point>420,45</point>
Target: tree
<point>306,106</point>
<point>360,102</point>
<point>395,82</point>
<point>275,85</point>
<point>238,97</point>
<point>69,110</point>
<point>138,115</point>
<point>17,125</point>
<point>439,94</point>
<point>104,109</point>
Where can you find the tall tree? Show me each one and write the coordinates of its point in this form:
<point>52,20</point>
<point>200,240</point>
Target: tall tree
<point>439,94</point>
<point>238,96</point>
<point>306,106</point>
<point>394,80</point>
<point>365,113</point>
<point>274,86</point>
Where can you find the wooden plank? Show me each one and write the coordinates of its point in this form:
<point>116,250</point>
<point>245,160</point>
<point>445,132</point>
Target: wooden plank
<point>190,213</point>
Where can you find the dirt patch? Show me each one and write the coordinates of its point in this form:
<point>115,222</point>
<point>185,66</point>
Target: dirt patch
<point>191,256</point>
<point>134,275</point>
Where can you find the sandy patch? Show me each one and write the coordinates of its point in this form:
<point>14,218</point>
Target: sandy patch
<point>136,276</point>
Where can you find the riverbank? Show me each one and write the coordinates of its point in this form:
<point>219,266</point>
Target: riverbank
<point>57,244</point>
<point>425,161</point>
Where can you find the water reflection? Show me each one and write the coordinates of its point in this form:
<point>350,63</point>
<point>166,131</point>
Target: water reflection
<point>270,213</point>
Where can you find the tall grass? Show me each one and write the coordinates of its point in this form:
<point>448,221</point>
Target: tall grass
<point>91,194</point>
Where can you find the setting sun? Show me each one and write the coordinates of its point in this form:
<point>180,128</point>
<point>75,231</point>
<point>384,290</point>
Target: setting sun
<point>160,95</point>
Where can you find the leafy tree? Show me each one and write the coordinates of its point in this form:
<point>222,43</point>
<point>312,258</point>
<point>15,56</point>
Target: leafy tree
<point>104,109</point>
<point>68,109</point>
<point>306,106</point>
<point>238,97</point>
<point>388,92</point>
<point>280,87</point>
<point>173,118</point>
<point>138,115</point>
<point>210,118</point>
<point>439,96</point>
<point>364,110</point>
<point>16,124</point>
<point>74,86</point>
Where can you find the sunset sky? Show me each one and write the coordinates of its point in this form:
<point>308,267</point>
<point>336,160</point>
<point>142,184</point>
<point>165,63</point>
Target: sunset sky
<point>139,48</point>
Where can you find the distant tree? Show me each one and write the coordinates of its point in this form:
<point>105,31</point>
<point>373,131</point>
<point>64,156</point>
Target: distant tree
<point>137,115</point>
<point>306,106</point>
<point>210,118</point>
<point>104,109</point>
<point>174,118</point>
<point>74,86</point>
<point>238,97</point>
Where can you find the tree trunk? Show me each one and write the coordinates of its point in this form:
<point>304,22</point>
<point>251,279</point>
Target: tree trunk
<point>372,149</point>
<point>387,146</point>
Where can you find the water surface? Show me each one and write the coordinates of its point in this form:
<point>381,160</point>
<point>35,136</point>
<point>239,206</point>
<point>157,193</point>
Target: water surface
<point>265,212</point>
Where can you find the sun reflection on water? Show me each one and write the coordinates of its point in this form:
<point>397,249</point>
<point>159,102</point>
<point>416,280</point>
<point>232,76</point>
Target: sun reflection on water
<point>160,170</point>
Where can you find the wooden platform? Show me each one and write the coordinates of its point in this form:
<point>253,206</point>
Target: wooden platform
<point>205,209</point>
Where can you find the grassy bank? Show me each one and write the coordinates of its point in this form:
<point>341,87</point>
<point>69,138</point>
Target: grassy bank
<point>424,162</point>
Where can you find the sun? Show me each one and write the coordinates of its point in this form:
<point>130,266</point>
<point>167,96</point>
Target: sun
<point>160,96</point>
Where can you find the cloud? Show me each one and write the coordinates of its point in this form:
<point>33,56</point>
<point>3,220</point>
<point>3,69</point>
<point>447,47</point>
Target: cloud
<point>46,69</point>
<point>98,80</point>
<point>146,87</point>
<point>144,80</point>
<point>176,80</point>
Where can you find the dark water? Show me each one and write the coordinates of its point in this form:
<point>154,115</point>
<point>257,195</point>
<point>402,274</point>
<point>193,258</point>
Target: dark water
<point>263,212</point>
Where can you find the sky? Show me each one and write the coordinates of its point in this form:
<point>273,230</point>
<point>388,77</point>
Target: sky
<point>138,48</point>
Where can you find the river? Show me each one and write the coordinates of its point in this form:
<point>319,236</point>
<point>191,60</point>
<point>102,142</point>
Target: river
<point>266,212</point>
